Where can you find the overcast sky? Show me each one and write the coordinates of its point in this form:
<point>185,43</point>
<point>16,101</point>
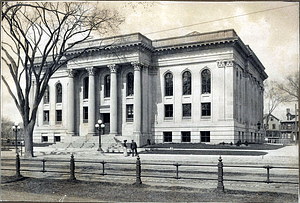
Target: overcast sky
<point>271,29</point>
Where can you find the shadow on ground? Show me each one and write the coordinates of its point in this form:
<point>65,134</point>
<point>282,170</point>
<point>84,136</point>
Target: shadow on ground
<point>109,191</point>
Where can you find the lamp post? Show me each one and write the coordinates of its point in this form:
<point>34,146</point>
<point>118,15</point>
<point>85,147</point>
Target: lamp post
<point>99,126</point>
<point>16,128</point>
<point>258,127</point>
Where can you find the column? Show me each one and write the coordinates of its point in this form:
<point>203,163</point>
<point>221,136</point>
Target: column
<point>137,107</point>
<point>113,99</point>
<point>92,102</point>
<point>71,103</point>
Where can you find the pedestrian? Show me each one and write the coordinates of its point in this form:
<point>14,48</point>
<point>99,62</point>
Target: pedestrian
<point>125,148</point>
<point>133,148</point>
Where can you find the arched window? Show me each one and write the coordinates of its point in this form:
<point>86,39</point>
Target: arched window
<point>186,83</point>
<point>107,86</point>
<point>86,88</point>
<point>130,84</point>
<point>58,93</point>
<point>46,95</point>
<point>206,83</point>
<point>169,84</point>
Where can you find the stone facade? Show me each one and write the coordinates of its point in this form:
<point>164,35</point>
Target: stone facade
<point>196,88</point>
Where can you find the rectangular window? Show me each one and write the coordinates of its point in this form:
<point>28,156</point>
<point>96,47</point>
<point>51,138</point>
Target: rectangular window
<point>56,138</point>
<point>46,117</point>
<point>273,126</point>
<point>186,110</point>
<point>205,109</point>
<point>58,116</point>
<point>205,136</point>
<point>44,138</point>
<point>129,113</point>
<point>169,111</point>
<point>167,136</point>
<point>85,114</point>
<point>186,136</point>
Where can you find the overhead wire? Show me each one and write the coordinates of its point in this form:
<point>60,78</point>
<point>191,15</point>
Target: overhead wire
<point>210,21</point>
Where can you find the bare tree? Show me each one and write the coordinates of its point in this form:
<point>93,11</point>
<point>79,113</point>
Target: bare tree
<point>38,36</point>
<point>272,98</point>
<point>289,89</point>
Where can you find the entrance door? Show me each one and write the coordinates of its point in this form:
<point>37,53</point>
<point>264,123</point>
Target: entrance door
<point>106,121</point>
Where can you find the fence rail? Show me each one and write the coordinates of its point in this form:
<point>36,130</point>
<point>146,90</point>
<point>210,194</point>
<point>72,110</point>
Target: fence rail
<point>104,168</point>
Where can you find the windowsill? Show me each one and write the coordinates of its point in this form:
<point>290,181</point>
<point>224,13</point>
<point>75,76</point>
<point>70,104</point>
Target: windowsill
<point>86,100</point>
<point>85,121</point>
<point>187,118</point>
<point>168,119</point>
<point>206,117</point>
<point>58,122</point>
<point>128,120</point>
<point>168,97</point>
<point>130,96</point>
<point>205,95</point>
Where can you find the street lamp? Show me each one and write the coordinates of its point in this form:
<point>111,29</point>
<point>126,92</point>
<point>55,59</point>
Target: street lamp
<point>99,126</point>
<point>16,128</point>
<point>258,125</point>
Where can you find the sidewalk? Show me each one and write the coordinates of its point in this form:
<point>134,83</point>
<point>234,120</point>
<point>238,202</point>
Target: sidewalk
<point>286,156</point>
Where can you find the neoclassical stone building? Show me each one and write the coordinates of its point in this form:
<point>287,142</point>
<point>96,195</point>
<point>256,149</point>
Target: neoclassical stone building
<point>201,87</point>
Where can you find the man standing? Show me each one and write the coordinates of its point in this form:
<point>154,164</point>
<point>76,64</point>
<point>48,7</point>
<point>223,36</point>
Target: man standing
<point>133,148</point>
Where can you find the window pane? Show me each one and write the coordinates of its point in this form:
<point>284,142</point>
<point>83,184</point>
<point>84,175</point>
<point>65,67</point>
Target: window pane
<point>168,84</point>
<point>46,95</point>
<point>186,110</point>
<point>58,93</point>
<point>107,86</point>
<point>85,114</point>
<point>58,115</point>
<point>130,84</point>
<point>205,77</point>
<point>186,136</point>
<point>186,83</point>
<point>129,113</point>
<point>86,88</point>
<point>46,117</point>
<point>205,136</point>
<point>167,136</point>
<point>169,110</point>
<point>206,111</point>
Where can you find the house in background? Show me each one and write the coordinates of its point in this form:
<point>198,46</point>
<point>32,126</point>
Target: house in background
<point>272,127</point>
<point>290,127</point>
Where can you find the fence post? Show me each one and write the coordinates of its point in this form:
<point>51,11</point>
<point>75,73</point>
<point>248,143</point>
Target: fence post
<point>220,175</point>
<point>43,165</point>
<point>18,166</point>
<point>72,168</point>
<point>138,171</point>
<point>177,177</point>
<point>268,173</point>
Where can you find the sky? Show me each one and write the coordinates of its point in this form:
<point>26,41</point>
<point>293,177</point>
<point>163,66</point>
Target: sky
<point>271,29</point>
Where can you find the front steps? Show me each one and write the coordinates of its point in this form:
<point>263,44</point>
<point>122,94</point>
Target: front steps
<point>109,143</point>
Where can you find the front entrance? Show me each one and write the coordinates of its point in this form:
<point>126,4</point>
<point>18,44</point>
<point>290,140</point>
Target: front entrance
<point>106,121</point>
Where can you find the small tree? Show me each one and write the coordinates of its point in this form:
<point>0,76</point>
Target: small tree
<point>38,36</point>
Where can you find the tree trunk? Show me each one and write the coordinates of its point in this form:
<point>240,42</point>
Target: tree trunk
<point>28,139</point>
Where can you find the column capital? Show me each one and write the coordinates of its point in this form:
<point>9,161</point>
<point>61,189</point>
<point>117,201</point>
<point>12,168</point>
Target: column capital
<point>153,70</point>
<point>113,68</point>
<point>71,73</point>
<point>137,66</point>
<point>91,71</point>
<point>225,63</point>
